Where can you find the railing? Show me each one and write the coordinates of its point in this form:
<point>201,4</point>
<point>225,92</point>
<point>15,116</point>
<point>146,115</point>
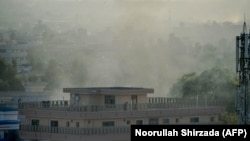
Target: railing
<point>75,131</point>
<point>174,103</point>
<point>45,104</point>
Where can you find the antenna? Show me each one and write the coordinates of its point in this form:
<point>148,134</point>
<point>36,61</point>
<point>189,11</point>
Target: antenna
<point>244,24</point>
<point>243,70</point>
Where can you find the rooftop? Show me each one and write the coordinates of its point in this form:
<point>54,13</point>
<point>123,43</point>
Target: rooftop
<point>109,90</point>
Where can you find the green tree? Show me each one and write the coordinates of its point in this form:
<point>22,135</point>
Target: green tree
<point>214,83</point>
<point>8,78</point>
<point>229,117</point>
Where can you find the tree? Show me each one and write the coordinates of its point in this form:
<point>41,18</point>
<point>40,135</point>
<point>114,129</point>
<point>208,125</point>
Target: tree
<point>229,118</point>
<point>8,78</point>
<point>214,83</point>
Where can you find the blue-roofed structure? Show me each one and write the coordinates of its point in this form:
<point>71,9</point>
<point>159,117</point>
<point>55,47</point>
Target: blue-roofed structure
<point>9,124</point>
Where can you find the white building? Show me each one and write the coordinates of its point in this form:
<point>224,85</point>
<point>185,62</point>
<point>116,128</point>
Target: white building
<point>106,113</point>
<point>17,54</point>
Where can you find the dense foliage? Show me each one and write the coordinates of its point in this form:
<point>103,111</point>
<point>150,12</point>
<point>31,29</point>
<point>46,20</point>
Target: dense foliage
<point>8,78</point>
<point>214,83</point>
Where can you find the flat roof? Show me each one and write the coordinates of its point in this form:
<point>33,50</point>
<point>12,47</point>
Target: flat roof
<point>109,90</point>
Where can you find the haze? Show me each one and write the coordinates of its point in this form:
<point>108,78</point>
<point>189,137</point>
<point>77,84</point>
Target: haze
<point>139,43</point>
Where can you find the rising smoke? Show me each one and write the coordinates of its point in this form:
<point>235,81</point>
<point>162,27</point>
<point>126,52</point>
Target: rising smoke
<point>137,43</point>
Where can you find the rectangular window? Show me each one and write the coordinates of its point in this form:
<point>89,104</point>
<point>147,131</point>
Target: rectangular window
<point>67,124</point>
<point>153,121</point>
<point>134,102</point>
<point>176,120</point>
<point>165,121</point>
<point>54,123</point>
<point>108,124</point>
<point>212,119</point>
<point>128,122</point>
<point>139,122</point>
<point>109,99</point>
<point>35,122</point>
<point>77,124</point>
<point>194,120</point>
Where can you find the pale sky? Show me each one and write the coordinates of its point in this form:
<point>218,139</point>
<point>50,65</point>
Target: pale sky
<point>148,16</point>
<point>102,12</point>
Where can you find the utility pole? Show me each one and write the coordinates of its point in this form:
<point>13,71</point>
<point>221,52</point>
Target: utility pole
<point>243,71</point>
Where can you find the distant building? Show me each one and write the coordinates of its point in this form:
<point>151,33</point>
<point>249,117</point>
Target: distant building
<point>16,54</point>
<point>106,113</point>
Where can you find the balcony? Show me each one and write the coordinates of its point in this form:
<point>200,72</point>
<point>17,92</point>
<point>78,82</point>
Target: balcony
<point>153,104</point>
<point>69,133</point>
<point>55,109</point>
<point>75,131</point>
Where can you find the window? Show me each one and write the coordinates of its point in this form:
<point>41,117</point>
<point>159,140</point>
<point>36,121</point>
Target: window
<point>139,122</point>
<point>212,119</point>
<point>54,123</point>
<point>153,121</point>
<point>35,122</point>
<point>108,123</point>
<point>109,99</point>
<point>77,124</point>
<point>128,121</point>
<point>67,124</point>
<point>176,120</point>
<point>165,121</point>
<point>194,120</point>
<point>134,102</point>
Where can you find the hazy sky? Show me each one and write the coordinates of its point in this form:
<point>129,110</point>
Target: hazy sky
<point>100,13</point>
<point>123,17</point>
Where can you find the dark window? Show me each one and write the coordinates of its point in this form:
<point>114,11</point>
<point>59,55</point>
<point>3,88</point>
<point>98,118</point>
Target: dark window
<point>134,102</point>
<point>176,120</point>
<point>194,120</point>
<point>165,121</point>
<point>108,123</point>
<point>77,124</point>
<point>128,121</point>
<point>35,122</point>
<point>54,123</point>
<point>109,99</point>
<point>153,121</point>
<point>67,124</point>
<point>139,122</point>
<point>212,119</point>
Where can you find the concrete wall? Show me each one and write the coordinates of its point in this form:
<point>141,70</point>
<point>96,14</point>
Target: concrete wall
<point>95,119</point>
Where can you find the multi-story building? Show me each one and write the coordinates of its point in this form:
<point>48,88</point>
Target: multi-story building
<point>15,54</point>
<point>106,113</point>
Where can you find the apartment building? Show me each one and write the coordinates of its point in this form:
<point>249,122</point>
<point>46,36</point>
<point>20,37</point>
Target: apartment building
<point>106,113</point>
<point>16,54</point>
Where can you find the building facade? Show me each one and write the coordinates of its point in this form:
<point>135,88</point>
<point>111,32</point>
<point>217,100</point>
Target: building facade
<point>106,113</point>
<point>16,54</point>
